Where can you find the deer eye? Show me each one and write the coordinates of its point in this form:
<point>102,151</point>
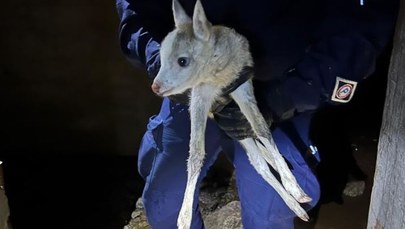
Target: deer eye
<point>183,61</point>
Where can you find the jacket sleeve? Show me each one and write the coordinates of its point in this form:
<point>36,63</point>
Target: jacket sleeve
<point>140,32</point>
<point>349,39</point>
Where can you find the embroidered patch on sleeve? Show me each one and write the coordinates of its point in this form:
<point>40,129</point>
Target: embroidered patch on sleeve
<point>344,90</point>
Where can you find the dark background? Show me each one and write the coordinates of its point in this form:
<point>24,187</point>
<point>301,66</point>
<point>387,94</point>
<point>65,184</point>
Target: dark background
<point>73,113</point>
<point>65,81</point>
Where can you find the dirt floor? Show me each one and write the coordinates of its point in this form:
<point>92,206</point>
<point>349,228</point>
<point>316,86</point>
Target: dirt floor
<point>353,213</point>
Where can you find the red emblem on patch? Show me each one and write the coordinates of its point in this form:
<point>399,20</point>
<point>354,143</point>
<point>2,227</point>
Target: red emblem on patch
<point>344,90</point>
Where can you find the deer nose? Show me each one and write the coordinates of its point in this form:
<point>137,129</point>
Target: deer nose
<point>155,87</point>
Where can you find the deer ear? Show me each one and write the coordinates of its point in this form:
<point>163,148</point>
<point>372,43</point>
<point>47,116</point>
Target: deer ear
<point>180,16</point>
<point>201,25</point>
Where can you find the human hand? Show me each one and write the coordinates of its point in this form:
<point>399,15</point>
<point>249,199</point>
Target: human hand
<point>232,121</point>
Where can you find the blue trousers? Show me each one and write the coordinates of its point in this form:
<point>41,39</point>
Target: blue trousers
<point>162,163</point>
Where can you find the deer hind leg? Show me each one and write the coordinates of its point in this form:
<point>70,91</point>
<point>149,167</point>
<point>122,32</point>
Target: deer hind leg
<point>287,178</point>
<point>200,103</point>
<point>244,97</point>
<point>262,168</point>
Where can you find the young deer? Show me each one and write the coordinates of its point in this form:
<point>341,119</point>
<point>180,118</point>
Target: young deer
<point>206,59</point>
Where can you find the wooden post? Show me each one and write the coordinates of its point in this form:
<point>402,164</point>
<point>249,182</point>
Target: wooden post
<point>4,211</point>
<point>387,207</point>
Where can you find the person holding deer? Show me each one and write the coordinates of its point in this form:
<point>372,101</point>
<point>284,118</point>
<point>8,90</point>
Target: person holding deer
<point>305,54</point>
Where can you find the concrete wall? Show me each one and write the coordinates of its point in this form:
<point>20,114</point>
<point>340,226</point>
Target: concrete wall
<point>65,86</point>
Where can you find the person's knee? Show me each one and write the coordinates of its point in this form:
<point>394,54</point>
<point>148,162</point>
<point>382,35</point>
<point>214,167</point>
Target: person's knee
<point>162,209</point>
<point>270,210</point>
<point>252,220</point>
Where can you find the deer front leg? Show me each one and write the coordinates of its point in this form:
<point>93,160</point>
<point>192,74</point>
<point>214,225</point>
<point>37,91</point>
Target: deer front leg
<point>200,103</point>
